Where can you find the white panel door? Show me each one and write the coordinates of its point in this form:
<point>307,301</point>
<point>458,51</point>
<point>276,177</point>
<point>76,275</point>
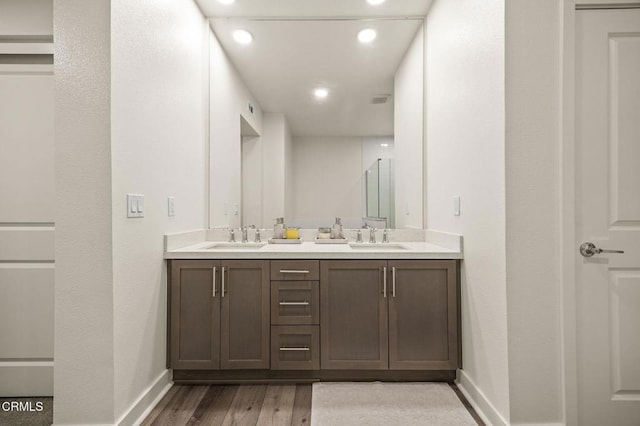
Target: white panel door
<point>608,215</point>
<point>26,226</point>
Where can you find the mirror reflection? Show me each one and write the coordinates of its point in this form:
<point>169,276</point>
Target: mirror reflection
<point>329,121</point>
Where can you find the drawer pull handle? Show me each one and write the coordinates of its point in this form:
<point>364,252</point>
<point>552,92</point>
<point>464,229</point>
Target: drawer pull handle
<point>305,303</point>
<point>295,349</point>
<point>294,271</point>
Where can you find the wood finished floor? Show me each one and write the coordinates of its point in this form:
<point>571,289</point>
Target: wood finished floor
<point>246,405</point>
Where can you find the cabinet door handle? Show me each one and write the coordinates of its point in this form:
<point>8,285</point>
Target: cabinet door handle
<point>222,278</point>
<point>305,348</point>
<point>214,281</point>
<point>294,271</point>
<point>384,281</point>
<point>284,303</point>
<point>393,279</point>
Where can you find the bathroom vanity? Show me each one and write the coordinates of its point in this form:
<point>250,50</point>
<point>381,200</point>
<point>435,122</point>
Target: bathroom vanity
<point>308,312</point>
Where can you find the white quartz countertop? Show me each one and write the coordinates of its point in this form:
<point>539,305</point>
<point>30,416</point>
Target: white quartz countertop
<point>211,249</point>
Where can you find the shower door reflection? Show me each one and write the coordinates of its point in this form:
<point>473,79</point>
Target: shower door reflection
<point>380,196</point>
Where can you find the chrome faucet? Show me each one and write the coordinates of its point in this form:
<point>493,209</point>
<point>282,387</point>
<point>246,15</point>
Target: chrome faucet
<point>372,235</point>
<point>257,239</point>
<point>359,236</point>
<point>385,236</point>
<point>232,235</point>
<point>245,238</point>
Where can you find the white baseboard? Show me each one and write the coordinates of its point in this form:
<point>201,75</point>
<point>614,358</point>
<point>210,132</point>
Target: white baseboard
<point>141,408</point>
<point>538,424</point>
<point>478,401</point>
<point>26,378</point>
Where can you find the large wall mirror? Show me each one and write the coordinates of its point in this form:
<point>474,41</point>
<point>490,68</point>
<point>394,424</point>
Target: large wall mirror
<point>330,123</point>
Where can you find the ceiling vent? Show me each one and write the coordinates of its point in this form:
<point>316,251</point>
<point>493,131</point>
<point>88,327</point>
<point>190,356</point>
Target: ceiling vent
<point>380,99</point>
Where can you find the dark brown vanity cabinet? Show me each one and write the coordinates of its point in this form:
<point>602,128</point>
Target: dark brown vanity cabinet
<point>194,315</point>
<point>353,315</point>
<point>423,315</point>
<point>398,315</point>
<point>219,314</point>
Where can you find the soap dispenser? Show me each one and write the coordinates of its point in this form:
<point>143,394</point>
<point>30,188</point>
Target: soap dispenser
<point>279,228</point>
<point>337,229</point>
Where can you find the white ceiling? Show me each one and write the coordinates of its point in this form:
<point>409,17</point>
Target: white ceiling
<point>314,8</point>
<point>291,57</point>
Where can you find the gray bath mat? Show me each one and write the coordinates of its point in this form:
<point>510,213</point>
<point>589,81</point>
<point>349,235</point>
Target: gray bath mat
<point>386,404</point>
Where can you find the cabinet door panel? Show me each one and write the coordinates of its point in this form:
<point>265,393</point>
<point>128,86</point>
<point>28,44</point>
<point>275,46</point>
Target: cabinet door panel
<point>245,315</point>
<point>195,315</point>
<point>353,315</point>
<point>423,315</point>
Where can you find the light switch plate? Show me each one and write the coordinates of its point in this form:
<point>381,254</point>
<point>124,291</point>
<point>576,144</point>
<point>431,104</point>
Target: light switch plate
<point>135,205</point>
<point>171,205</point>
<point>456,205</point>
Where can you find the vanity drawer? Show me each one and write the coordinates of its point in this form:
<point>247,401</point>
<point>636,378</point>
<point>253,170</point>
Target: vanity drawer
<point>295,347</point>
<point>295,270</point>
<point>295,302</point>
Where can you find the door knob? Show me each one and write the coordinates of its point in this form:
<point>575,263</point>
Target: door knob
<point>588,249</point>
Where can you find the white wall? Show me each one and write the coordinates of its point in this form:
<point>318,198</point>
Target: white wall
<point>229,100</point>
<point>252,181</point>
<point>288,171</point>
<point>465,119</point>
<point>408,112</point>
<point>159,149</point>
<point>84,357</point>
<point>276,145</point>
<point>130,117</point>
<point>327,178</point>
<point>532,194</point>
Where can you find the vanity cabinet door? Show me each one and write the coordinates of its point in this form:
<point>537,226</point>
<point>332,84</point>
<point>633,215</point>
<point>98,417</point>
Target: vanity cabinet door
<point>423,315</point>
<point>353,315</point>
<point>194,317</point>
<point>245,314</point>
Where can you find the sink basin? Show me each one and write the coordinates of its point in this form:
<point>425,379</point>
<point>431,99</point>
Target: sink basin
<point>377,246</point>
<point>235,246</point>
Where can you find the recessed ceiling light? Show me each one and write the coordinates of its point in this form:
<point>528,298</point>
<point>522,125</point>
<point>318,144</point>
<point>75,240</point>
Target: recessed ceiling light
<point>367,35</point>
<point>231,1</point>
<point>372,2</point>
<point>242,36</point>
<point>384,145</point>
<point>321,93</point>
